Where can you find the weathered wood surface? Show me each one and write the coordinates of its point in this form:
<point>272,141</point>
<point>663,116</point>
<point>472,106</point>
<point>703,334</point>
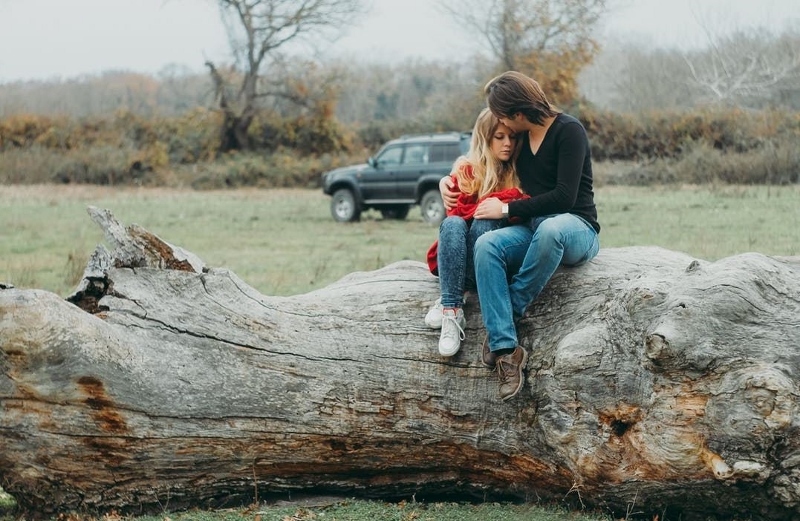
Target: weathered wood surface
<point>656,383</point>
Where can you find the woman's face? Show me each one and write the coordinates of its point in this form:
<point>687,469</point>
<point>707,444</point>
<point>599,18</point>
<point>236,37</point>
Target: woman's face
<point>502,143</point>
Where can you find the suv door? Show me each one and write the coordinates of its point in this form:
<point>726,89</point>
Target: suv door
<point>378,182</point>
<point>415,161</point>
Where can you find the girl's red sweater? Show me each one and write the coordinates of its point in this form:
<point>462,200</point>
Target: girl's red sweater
<point>465,208</point>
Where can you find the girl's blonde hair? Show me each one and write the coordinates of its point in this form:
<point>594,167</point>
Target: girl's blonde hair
<point>489,174</point>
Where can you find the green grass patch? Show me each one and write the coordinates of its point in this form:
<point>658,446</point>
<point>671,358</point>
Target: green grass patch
<point>709,222</point>
<point>284,241</point>
<point>365,510</point>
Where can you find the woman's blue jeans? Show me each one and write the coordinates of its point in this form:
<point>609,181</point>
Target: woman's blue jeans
<point>455,256</point>
<point>513,265</point>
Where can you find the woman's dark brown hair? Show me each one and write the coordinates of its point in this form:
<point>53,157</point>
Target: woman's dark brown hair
<point>513,92</point>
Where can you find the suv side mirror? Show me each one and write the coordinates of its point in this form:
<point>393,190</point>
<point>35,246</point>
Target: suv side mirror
<point>371,162</point>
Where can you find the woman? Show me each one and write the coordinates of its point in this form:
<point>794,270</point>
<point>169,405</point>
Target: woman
<point>486,171</point>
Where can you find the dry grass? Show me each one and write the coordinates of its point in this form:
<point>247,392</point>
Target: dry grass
<point>283,241</point>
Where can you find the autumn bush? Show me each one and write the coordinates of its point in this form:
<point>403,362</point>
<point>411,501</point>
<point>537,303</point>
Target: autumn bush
<point>282,169</point>
<point>25,131</point>
<point>101,165</point>
<point>775,162</point>
<point>310,134</point>
<point>713,145</point>
<point>656,135</point>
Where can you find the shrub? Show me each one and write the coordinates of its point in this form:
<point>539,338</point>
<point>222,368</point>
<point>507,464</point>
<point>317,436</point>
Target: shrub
<point>100,165</point>
<point>32,165</point>
<point>313,132</point>
<point>774,162</point>
<point>615,136</point>
<point>192,137</point>
<point>284,168</point>
<point>713,145</point>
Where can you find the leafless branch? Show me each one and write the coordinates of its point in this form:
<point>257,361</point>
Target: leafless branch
<point>745,64</point>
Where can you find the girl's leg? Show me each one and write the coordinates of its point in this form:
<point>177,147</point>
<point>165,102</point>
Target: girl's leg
<point>452,259</point>
<point>477,228</point>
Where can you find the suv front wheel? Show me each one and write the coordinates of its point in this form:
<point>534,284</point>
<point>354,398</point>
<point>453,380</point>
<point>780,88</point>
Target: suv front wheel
<point>432,207</point>
<point>344,207</point>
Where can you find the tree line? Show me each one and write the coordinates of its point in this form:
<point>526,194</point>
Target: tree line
<point>623,78</point>
<point>634,99</point>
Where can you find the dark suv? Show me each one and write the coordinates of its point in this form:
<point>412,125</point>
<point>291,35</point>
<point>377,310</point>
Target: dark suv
<point>405,171</point>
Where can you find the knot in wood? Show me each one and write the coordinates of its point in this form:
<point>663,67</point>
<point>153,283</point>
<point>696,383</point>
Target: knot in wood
<point>655,345</point>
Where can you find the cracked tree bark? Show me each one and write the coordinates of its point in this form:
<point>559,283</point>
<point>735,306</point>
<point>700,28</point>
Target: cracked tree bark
<point>657,383</point>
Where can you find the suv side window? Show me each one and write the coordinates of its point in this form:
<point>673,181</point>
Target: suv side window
<point>390,157</point>
<point>448,152</point>
<point>416,154</point>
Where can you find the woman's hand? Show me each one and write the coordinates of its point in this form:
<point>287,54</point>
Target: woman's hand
<point>449,197</point>
<point>489,208</point>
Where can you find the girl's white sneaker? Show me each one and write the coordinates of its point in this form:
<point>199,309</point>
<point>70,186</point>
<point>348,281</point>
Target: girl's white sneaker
<point>434,317</point>
<point>453,324</point>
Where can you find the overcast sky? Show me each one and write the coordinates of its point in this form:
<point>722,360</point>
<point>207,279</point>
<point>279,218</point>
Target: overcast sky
<point>47,39</point>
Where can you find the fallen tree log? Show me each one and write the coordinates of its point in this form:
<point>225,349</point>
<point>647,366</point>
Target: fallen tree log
<point>657,383</point>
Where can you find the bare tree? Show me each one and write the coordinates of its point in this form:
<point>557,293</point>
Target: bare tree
<point>258,30</point>
<point>634,77</point>
<point>746,67</point>
<point>754,68</point>
<point>549,39</point>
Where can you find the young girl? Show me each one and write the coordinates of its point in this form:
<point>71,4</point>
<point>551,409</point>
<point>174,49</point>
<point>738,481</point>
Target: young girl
<point>486,171</point>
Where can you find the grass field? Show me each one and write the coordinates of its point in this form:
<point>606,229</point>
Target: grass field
<point>284,242</point>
